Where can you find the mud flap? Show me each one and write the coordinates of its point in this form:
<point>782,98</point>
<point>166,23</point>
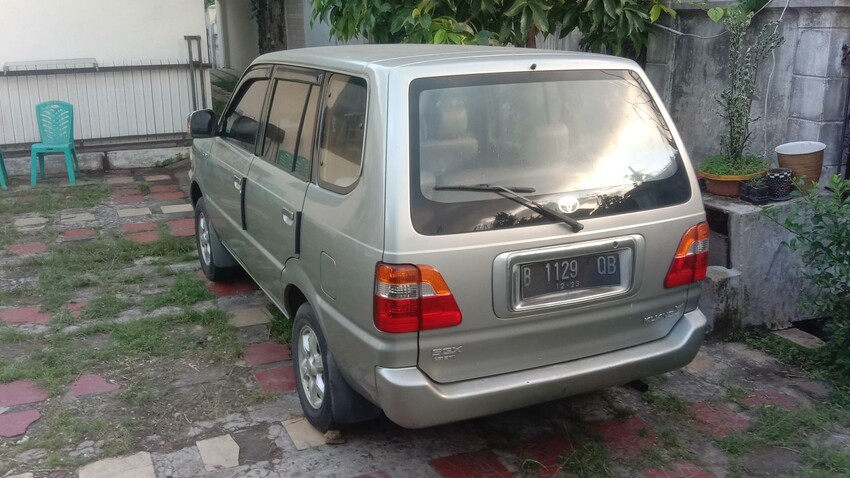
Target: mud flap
<point>347,405</point>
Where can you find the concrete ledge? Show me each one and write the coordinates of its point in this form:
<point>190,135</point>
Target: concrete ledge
<point>126,159</point>
<point>720,299</point>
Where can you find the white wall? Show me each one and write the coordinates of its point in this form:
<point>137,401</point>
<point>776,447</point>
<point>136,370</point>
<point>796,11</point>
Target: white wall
<point>238,28</point>
<point>118,31</point>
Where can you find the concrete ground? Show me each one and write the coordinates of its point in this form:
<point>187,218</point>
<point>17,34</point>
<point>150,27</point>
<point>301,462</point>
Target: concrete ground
<point>118,359</point>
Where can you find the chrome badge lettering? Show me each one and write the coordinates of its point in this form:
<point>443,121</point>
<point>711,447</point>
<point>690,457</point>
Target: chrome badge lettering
<point>676,311</point>
<point>568,204</point>
<point>446,353</point>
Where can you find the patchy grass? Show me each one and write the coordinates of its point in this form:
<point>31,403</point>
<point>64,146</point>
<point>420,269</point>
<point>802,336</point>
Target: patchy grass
<point>144,188</point>
<point>72,266</point>
<point>281,327</point>
<point>588,461</point>
<point>10,335</point>
<point>106,306</point>
<point>800,431</point>
<point>665,402</point>
<point>50,199</point>
<point>169,336</point>
<point>187,290</point>
<point>8,234</point>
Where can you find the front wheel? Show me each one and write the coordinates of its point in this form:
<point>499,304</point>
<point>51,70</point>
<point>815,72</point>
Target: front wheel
<point>216,262</point>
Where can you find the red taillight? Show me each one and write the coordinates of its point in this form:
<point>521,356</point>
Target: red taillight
<point>691,259</point>
<point>411,298</point>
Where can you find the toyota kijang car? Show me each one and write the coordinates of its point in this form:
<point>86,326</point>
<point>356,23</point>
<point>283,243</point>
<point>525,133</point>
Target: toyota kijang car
<point>455,231</point>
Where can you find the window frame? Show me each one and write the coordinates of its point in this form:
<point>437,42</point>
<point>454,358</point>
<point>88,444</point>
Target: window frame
<point>320,121</point>
<point>255,73</point>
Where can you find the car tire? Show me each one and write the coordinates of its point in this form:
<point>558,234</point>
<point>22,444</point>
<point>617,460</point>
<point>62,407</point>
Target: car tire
<point>309,362</point>
<point>216,262</point>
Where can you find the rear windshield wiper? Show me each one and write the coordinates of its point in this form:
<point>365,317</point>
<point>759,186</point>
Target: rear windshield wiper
<point>513,193</point>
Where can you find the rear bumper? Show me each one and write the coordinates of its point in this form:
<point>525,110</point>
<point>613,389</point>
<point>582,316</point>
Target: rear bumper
<point>412,400</point>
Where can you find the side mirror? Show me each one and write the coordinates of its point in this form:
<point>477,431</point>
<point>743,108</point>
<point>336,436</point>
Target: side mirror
<point>202,124</point>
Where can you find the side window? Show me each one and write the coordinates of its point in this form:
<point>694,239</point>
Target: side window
<point>342,132</point>
<point>282,146</point>
<point>242,121</point>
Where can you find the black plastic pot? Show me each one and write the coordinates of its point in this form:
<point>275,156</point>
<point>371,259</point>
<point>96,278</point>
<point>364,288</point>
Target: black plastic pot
<point>779,183</point>
<point>757,194</point>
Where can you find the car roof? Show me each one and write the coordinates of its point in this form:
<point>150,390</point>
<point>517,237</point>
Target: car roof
<point>391,56</point>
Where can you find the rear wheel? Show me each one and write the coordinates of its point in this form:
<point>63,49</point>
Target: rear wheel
<point>211,254</point>
<point>309,359</point>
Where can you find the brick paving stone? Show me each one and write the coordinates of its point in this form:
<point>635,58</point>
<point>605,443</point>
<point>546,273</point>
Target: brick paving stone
<point>760,398</point>
<point>717,419</point>
<point>547,450</point>
<point>21,392</point>
<point>183,233</point>
<point>303,434</point>
<point>134,212</point>
<point>165,188</point>
<point>135,199</point>
<point>75,218</point>
<point>479,464</point>
<point>77,234</point>
<point>259,354</point>
<point>16,423</point>
<point>803,339</point>
<point>139,227</point>
<point>250,316</point>
<point>276,380</point>
<point>120,180</point>
<point>626,438</point>
<point>182,224</point>
<point>168,196</point>
<point>678,470</point>
<point>219,452</point>
<point>139,465</point>
<point>375,474</point>
<point>22,475</point>
<point>227,289</point>
<point>177,208</point>
<point>143,237</point>
<point>29,248</point>
<point>30,221</point>
<point>75,308</point>
<point>24,315</point>
<point>92,384</point>
<point>157,177</point>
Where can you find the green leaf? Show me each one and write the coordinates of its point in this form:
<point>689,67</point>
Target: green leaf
<point>517,7</point>
<point>440,37</point>
<point>538,15</point>
<point>612,7</point>
<point>655,13</point>
<point>716,14</point>
<point>425,20</point>
<point>668,10</point>
<point>483,37</point>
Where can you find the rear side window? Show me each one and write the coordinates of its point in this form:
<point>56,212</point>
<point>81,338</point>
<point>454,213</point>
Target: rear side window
<point>587,143</point>
<point>288,141</point>
<point>342,132</point>
<point>242,122</point>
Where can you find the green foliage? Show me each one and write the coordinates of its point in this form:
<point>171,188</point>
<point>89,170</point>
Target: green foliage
<point>821,225</point>
<point>615,25</point>
<point>720,164</point>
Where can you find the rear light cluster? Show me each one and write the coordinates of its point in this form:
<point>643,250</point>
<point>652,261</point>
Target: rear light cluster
<point>411,298</point>
<point>691,259</point>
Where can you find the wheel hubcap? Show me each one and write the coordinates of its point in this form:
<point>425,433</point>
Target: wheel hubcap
<point>312,367</point>
<point>204,238</point>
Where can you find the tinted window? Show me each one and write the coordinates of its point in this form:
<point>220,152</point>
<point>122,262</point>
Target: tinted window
<point>288,144</point>
<point>242,122</point>
<point>592,142</point>
<point>342,132</point>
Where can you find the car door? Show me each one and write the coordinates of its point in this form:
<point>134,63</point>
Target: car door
<point>232,152</point>
<point>277,182</point>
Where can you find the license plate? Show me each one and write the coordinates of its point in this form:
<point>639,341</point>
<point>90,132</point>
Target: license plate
<point>569,274</point>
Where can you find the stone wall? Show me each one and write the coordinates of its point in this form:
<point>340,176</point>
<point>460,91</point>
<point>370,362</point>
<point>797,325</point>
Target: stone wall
<point>808,88</point>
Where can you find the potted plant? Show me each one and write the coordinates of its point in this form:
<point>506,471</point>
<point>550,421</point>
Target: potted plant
<point>755,191</point>
<point>725,172</point>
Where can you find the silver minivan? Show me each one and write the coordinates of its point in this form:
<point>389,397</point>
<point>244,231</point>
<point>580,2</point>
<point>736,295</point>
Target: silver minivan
<point>455,231</point>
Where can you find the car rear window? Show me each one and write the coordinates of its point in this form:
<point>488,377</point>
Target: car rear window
<point>589,143</point>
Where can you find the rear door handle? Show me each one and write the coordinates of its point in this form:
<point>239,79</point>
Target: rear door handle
<point>237,183</point>
<point>288,217</point>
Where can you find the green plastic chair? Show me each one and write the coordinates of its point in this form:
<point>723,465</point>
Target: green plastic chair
<point>4,176</point>
<point>56,126</point>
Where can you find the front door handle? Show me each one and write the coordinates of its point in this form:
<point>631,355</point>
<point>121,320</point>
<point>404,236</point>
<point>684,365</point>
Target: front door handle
<point>237,183</point>
<point>288,217</point>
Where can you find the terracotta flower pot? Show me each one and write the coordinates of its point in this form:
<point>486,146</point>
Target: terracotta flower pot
<point>727,185</point>
<point>803,158</point>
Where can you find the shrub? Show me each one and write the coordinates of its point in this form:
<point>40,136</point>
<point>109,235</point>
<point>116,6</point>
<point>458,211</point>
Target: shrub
<point>821,225</point>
